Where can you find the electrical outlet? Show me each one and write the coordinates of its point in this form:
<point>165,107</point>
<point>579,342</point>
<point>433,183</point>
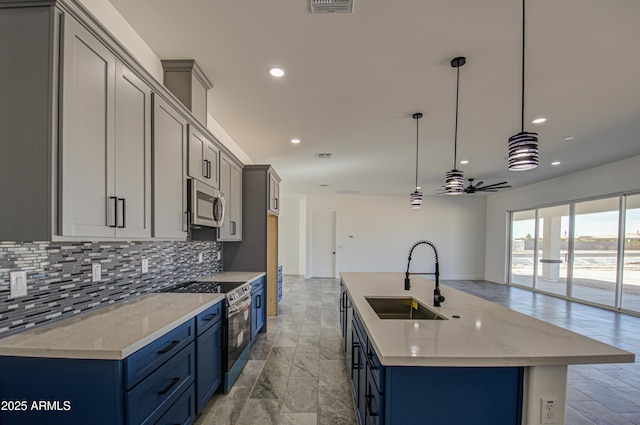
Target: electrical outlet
<point>18,284</point>
<point>96,272</point>
<point>200,258</point>
<point>548,414</point>
<point>145,265</point>
<point>219,257</point>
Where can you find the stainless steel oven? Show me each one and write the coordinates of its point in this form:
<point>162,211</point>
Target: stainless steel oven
<point>237,330</point>
<point>236,323</point>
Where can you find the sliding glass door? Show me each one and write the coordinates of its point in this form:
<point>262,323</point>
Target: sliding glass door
<point>523,230</point>
<point>587,251</point>
<point>596,251</point>
<point>631,264</point>
<point>553,249</point>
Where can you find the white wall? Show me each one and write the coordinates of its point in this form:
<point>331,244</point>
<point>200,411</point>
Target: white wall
<point>616,177</point>
<point>384,228</point>
<point>291,235</point>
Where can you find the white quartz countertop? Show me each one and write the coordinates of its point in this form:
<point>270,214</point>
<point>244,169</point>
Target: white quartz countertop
<point>113,332</point>
<point>486,334</point>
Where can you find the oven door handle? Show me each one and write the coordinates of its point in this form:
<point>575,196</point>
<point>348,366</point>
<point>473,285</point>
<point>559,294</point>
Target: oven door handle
<point>239,306</point>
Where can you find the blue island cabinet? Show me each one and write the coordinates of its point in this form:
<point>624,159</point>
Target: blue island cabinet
<point>162,383</point>
<point>400,395</point>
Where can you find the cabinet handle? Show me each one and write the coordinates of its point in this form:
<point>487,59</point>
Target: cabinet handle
<point>208,169</point>
<point>123,215</point>
<point>204,168</point>
<point>259,301</point>
<point>370,411</point>
<point>354,364</point>
<point>275,202</point>
<point>233,227</point>
<point>369,358</point>
<point>187,221</point>
<point>210,317</point>
<point>168,348</point>
<point>172,384</point>
<point>115,212</point>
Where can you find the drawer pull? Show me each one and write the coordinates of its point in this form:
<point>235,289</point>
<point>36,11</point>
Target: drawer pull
<point>354,364</point>
<point>168,348</point>
<point>173,383</point>
<point>370,412</point>
<point>369,358</point>
<point>210,317</point>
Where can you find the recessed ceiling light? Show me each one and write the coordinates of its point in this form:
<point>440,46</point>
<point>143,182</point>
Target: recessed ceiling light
<point>464,161</point>
<point>276,72</point>
<point>539,120</point>
<point>295,141</point>
<point>556,163</point>
<point>568,138</point>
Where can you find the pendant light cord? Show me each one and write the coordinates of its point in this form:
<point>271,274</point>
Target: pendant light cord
<point>417,119</point>
<point>523,36</point>
<point>455,137</point>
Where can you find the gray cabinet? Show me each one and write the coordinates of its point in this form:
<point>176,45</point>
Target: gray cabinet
<point>258,251</point>
<point>231,188</point>
<point>106,142</point>
<point>204,159</point>
<point>169,164</point>
<point>274,193</point>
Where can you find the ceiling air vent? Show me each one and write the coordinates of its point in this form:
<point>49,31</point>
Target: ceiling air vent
<point>331,6</point>
<point>324,155</point>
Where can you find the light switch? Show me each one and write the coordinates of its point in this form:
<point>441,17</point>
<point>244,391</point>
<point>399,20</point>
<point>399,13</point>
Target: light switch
<point>200,258</point>
<point>18,283</point>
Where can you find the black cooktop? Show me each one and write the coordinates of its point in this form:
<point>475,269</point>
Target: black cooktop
<point>194,286</point>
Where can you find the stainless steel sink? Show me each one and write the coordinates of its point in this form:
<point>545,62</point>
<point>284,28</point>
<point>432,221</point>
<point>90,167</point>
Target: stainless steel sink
<point>402,309</point>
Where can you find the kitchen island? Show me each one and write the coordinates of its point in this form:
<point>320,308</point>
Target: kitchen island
<point>481,364</point>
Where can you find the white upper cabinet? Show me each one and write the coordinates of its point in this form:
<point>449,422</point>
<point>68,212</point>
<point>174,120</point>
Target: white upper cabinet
<point>204,159</point>
<point>169,161</point>
<point>231,188</point>
<point>106,142</point>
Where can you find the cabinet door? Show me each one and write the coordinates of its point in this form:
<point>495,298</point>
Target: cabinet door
<point>204,159</point>
<point>132,154</point>
<point>236,202</point>
<point>212,156</point>
<point>87,142</point>
<point>169,161</point>
<point>231,188</point>
<point>208,364</point>
<point>274,195</point>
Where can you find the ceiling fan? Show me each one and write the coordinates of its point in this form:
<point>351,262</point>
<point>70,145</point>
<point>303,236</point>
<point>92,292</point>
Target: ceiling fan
<point>478,187</point>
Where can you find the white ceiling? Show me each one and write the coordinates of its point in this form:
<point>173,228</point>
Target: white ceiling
<point>353,81</point>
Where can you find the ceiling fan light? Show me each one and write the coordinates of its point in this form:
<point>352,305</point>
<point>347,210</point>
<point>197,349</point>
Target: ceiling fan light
<point>523,151</point>
<point>454,182</point>
<point>415,200</point>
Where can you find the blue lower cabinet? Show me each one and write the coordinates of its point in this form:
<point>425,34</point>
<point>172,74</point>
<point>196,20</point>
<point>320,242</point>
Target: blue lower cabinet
<point>149,400</point>
<point>400,395</point>
<point>208,364</point>
<point>183,410</point>
<point>257,307</point>
<point>164,382</point>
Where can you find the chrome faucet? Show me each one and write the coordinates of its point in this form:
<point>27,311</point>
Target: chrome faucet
<point>437,297</point>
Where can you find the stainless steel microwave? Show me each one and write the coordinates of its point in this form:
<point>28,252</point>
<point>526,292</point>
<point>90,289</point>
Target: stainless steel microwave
<point>206,204</point>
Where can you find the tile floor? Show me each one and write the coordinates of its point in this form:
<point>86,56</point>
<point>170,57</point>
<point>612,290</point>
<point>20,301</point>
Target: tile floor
<point>297,373</point>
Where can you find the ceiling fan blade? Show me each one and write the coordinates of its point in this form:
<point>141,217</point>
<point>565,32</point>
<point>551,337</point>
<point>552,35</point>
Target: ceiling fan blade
<point>477,185</point>
<point>484,189</point>
<point>496,184</point>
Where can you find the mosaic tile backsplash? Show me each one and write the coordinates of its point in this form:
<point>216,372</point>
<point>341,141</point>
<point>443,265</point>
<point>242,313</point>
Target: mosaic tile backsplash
<point>59,275</point>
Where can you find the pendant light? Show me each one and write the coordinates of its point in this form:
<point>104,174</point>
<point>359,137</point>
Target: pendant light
<point>523,147</point>
<point>454,179</point>
<point>416,197</point>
